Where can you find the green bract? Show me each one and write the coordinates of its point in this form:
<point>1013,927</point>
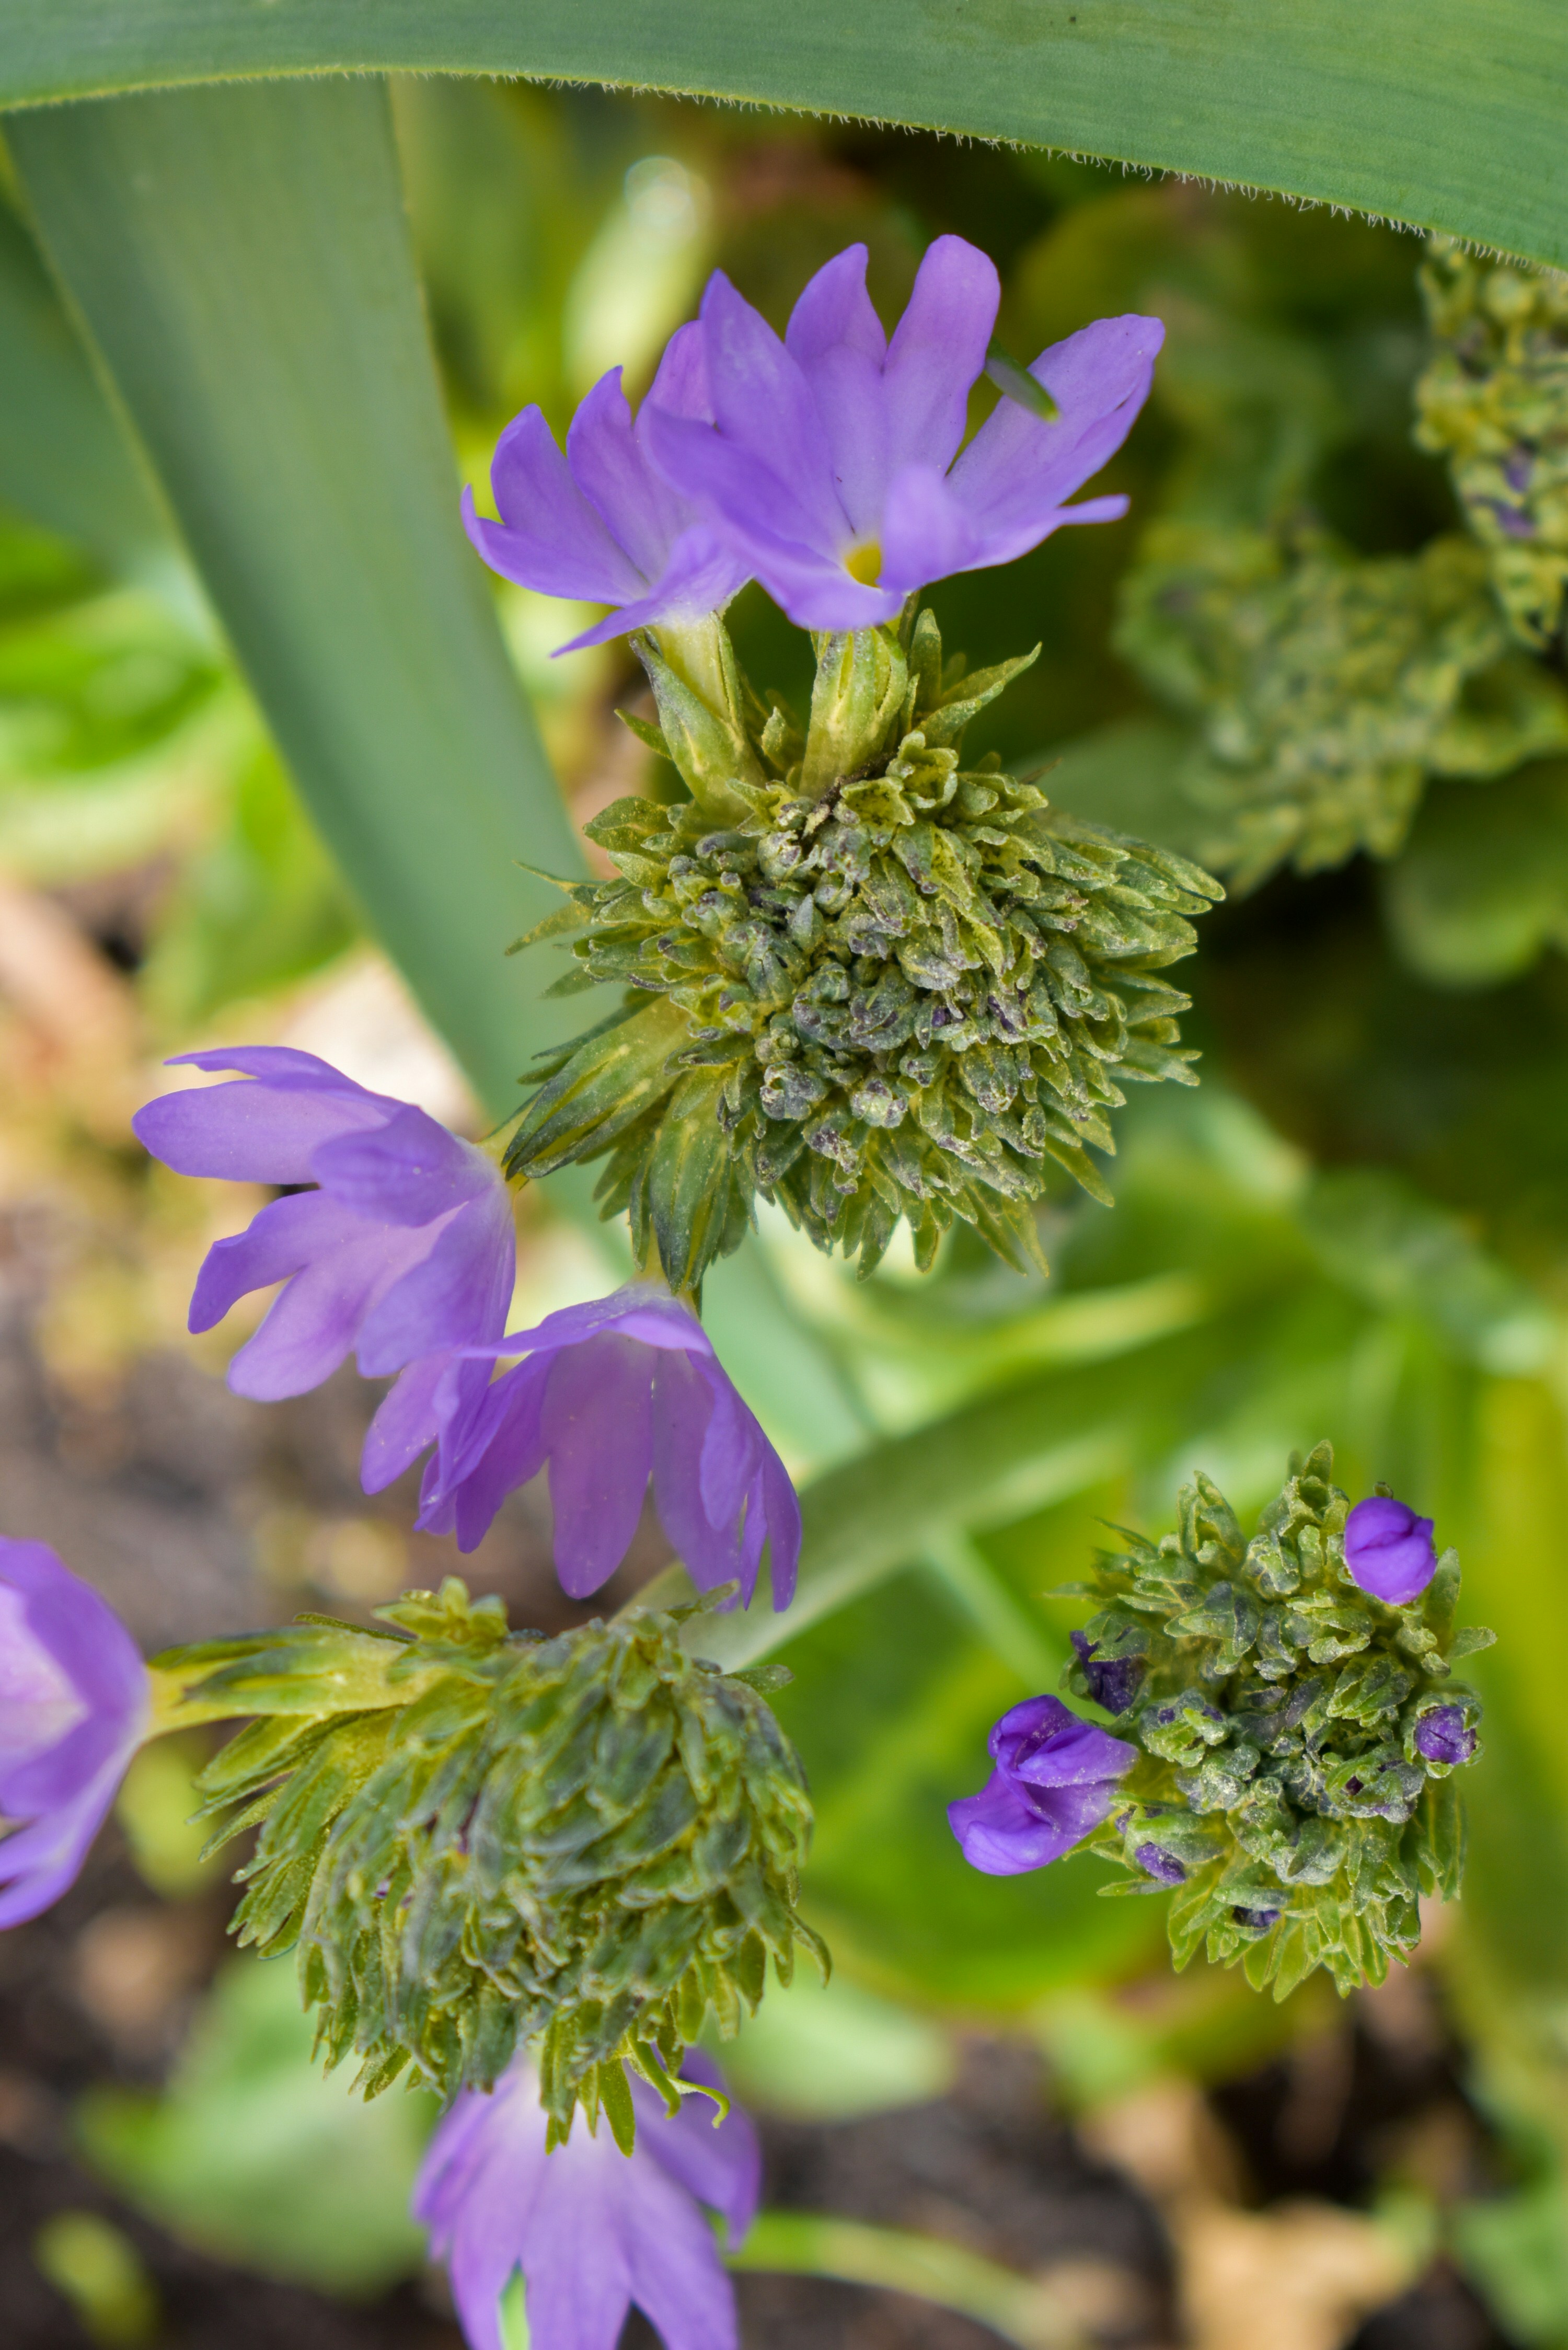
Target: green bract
<point>1328,686</point>
<point>474,1837</point>
<point>880,984</point>
<point>1494,402</point>
<point>1277,1710</point>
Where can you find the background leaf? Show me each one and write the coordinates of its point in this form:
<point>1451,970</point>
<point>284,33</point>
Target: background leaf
<point>1446,114</point>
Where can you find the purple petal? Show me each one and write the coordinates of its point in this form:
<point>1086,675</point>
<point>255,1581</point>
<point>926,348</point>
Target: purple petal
<point>638,509</point>
<point>781,1508</point>
<point>925,533</point>
<point>1018,469</point>
<point>549,537</point>
<point>1002,1835</point>
<point>835,337</point>
<point>597,1435</point>
<point>407,1421</point>
<point>407,1172</point>
<point>1044,1743</point>
<point>937,354</point>
<point>702,573</point>
<point>719,2162</point>
<point>316,1319</point>
<point>765,511</point>
<point>680,385</point>
<point>459,1292</point>
<point>677,2279</point>
<point>763,404</point>
<point>258,1132</point>
<point>1389,1550</point>
<point>277,1244</point>
<point>491,1443</point>
<point>642,1310</point>
<point>707,1543</point>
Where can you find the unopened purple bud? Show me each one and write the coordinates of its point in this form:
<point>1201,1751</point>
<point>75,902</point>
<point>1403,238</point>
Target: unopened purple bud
<point>1112,1682</point>
<point>1163,1867</point>
<point>1256,1921</point>
<point>1510,521</point>
<point>1443,1736</point>
<point>1389,1550</point>
<point>1519,466</point>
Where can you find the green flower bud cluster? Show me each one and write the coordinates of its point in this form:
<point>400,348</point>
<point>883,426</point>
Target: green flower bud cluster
<point>1327,686</point>
<point>1281,1787</point>
<point>473,1838</point>
<point>1494,402</point>
<point>882,985</point>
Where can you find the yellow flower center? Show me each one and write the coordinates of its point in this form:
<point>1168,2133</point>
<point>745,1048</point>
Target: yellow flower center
<point>865,563</point>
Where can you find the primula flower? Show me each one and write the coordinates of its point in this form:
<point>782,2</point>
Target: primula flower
<point>405,1246</point>
<point>826,461</point>
<point>1054,1782</point>
<point>608,1394</point>
<point>591,2229</point>
<point>599,522</point>
<point>1389,1550</point>
<point>73,1706</point>
<point>1443,1735</point>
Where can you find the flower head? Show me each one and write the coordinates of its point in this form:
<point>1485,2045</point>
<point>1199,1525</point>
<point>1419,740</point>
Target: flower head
<point>592,2230</point>
<point>599,522</point>
<point>1389,1550</point>
<point>1444,1735</point>
<point>1054,1782</point>
<point>608,1395</point>
<point>404,1247</point>
<point>826,463</point>
<point>73,1704</point>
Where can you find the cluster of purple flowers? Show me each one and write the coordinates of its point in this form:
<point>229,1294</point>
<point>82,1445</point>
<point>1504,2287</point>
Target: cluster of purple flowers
<point>828,464</point>
<point>402,1252</point>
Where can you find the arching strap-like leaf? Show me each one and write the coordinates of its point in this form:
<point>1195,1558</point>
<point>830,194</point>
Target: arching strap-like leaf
<point>1444,113</point>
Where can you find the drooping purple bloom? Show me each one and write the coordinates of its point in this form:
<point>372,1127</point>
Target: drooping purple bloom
<point>1389,1550</point>
<point>608,1395</point>
<point>1162,1865</point>
<point>599,522</point>
<point>827,460</point>
<point>73,1706</point>
<point>591,2229</point>
<point>1444,1735</point>
<point>405,1248</point>
<point>1112,1680</point>
<point>1054,1782</point>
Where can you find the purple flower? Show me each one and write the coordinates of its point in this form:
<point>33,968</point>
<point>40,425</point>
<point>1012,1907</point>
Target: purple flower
<point>73,1706</point>
<point>599,522</point>
<point>1054,1782</point>
<point>1162,1865</point>
<point>404,1248</point>
<point>1443,1735</point>
<point>591,2229</point>
<point>609,1393</point>
<point>827,461</point>
<point>1113,1680</point>
<point>1389,1550</point>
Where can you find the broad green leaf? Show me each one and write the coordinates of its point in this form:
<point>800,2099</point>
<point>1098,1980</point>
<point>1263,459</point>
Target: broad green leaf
<point>241,260</point>
<point>65,460</point>
<point>1445,115</point>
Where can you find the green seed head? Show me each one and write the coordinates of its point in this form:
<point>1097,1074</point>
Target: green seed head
<point>591,1841</point>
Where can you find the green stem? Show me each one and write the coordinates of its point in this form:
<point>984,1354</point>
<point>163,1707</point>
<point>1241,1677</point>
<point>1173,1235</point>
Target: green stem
<point>810,2244</point>
<point>968,1577</point>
